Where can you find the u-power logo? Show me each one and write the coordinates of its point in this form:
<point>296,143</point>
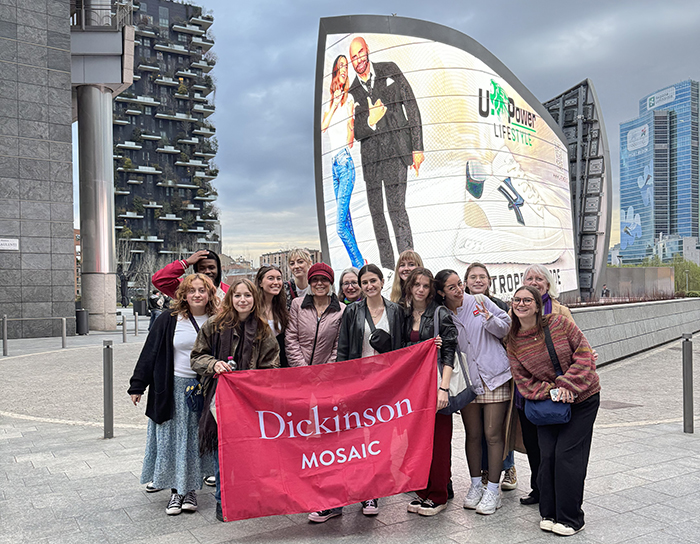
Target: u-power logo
<point>514,123</point>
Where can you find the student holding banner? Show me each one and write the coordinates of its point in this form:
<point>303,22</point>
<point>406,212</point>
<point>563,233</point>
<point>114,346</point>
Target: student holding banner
<point>422,311</point>
<point>372,325</point>
<point>481,325</point>
<point>240,332</point>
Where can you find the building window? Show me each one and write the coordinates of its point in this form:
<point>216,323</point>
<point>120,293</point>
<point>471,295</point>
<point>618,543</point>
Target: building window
<point>163,17</point>
<point>182,37</point>
<point>146,42</point>
<point>143,7</point>
<point>146,52</point>
<point>159,55</point>
<point>181,192</point>
<point>148,111</point>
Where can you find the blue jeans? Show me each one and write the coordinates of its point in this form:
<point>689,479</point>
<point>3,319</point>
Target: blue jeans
<point>343,184</point>
<point>217,493</point>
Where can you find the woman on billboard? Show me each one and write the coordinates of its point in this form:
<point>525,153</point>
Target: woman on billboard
<point>342,135</point>
<point>481,325</point>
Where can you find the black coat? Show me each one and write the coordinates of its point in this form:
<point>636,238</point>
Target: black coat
<point>352,328</point>
<point>426,331</point>
<point>155,369</point>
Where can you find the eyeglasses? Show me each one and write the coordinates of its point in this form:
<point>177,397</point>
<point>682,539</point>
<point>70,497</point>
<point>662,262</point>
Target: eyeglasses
<point>319,279</point>
<point>525,301</point>
<point>349,284</point>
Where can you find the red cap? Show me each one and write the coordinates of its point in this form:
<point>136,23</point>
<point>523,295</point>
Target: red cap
<point>322,269</point>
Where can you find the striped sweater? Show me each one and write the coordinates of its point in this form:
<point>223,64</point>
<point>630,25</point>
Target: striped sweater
<point>533,370</point>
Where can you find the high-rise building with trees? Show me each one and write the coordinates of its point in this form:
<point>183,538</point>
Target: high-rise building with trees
<point>164,143</point>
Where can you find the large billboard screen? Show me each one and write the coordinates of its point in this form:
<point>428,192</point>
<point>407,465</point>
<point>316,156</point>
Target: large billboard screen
<point>425,141</point>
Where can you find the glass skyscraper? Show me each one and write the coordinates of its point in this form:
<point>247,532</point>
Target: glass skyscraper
<point>659,170</point>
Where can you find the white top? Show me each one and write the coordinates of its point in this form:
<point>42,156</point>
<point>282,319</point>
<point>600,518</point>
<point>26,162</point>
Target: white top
<point>275,330</point>
<point>383,324</point>
<point>303,292</point>
<point>183,342</point>
<point>338,129</point>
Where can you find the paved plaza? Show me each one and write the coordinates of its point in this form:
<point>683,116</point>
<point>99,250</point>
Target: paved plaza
<point>61,482</point>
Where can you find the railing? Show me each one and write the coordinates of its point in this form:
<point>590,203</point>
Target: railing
<point>101,14</point>
<point>5,320</point>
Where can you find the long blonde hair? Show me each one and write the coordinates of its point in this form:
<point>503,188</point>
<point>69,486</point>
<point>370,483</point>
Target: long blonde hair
<point>397,286</point>
<point>228,316</point>
<point>181,308</point>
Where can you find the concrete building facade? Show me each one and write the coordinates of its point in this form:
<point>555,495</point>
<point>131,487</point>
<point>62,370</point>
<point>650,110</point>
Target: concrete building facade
<point>37,255</point>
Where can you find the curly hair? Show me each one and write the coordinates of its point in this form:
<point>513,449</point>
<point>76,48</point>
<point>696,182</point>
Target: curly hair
<point>228,316</point>
<point>179,305</point>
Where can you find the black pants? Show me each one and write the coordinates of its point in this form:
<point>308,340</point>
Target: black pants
<point>532,446</point>
<point>393,173</point>
<point>565,450</point>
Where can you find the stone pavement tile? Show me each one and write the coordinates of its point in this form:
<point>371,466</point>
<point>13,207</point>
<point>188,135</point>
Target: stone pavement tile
<point>691,462</point>
<point>84,537</point>
<point>32,525</point>
<point>509,530</point>
<point>617,451</point>
<point>48,499</point>
<point>644,495</point>
<point>685,531</point>
<point>689,503</point>
<point>250,528</point>
<point>101,519</point>
<point>19,471</point>
<point>686,484</point>
<point>38,459</point>
<point>662,471</point>
<point>593,512</point>
<point>612,483</point>
<point>616,502</point>
<point>665,514</point>
<point>621,527</point>
<point>605,467</point>
<point>44,480</point>
<point>181,537</point>
<point>660,537</point>
<point>643,459</point>
<point>80,508</point>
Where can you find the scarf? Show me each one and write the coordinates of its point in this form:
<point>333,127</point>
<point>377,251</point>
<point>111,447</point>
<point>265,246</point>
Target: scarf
<point>547,304</point>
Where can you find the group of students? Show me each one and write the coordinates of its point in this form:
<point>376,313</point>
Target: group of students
<point>212,328</point>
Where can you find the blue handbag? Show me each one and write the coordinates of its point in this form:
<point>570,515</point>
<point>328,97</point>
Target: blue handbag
<point>548,412</point>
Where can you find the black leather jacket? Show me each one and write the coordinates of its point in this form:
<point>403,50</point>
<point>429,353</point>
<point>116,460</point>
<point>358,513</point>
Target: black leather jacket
<point>352,328</point>
<point>426,330</point>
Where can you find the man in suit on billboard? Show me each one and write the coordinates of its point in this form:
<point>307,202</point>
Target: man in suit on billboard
<point>388,127</point>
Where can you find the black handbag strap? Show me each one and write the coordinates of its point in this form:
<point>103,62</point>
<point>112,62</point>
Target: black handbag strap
<point>194,323</point>
<point>552,351</point>
<point>369,319</point>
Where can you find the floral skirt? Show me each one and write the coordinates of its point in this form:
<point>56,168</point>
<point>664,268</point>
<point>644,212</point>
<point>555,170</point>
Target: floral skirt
<point>172,448</point>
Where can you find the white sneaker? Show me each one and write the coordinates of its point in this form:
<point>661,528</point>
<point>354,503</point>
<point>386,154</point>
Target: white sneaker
<point>546,524</point>
<point>370,507</point>
<point>490,502</point>
<point>564,530</point>
<point>500,200</point>
<point>471,501</point>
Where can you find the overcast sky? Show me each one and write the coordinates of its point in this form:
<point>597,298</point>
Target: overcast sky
<point>265,86</point>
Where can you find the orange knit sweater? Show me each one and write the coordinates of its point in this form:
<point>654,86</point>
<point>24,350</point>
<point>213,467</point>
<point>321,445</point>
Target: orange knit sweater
<point>532,367</point>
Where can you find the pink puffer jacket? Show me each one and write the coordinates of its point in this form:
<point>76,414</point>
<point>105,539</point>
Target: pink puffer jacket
<point>309,340</point>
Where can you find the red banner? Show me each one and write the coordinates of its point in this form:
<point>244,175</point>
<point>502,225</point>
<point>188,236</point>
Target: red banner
<point>302,439</point>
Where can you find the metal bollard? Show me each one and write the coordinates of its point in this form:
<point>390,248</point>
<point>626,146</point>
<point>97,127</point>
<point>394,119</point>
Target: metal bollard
<point>136,323</point>
<point>688,383</point>
<point>123,329</point>
<point>5,350</point>
<point>108,371</point>
<point>63,332</point>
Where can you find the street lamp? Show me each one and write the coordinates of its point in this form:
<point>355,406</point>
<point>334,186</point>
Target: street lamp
<point>687,272</point>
